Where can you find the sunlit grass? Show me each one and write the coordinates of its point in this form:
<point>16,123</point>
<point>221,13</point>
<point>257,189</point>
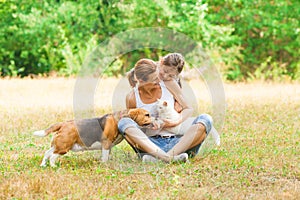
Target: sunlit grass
<point>258,157</point>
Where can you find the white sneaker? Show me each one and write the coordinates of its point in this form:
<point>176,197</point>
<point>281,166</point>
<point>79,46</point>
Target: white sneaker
<point>183,157</point>
<point>149,159</point>
<point>216,136</point>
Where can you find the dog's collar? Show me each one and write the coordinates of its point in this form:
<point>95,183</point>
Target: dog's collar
<point>119,115</point>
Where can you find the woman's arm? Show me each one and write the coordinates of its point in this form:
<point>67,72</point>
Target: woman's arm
<point>176,91</point>
<point>131,103</point>
<point>130,100</point>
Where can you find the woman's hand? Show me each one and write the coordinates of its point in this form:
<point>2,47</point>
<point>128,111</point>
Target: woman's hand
<point>168,124</point>
<point>164,123</point>
<point>157,124</point>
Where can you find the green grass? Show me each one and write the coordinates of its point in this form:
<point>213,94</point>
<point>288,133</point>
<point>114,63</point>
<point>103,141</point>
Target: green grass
<point>258,157</point>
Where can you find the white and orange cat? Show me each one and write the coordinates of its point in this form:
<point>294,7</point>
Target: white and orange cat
<point>167,111</point>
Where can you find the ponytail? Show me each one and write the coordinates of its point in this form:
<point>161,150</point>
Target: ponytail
<point>131,78</point>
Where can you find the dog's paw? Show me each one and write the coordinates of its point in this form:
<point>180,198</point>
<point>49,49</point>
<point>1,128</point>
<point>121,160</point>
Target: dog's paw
<point>43,165</point>
<point>105,155</point>
<point>54,165</point>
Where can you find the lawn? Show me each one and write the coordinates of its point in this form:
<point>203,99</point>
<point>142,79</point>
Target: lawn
<point>258,157</point>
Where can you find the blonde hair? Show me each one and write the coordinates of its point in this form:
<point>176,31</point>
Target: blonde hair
<point>141,71</point>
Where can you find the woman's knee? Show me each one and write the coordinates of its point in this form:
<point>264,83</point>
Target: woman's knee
<point>206,120</point>
<point>125,123</point>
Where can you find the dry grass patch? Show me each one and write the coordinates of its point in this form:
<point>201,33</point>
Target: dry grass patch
<point>258,157</point>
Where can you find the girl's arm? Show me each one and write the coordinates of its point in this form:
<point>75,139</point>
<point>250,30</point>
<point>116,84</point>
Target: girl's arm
<point>176,91</point>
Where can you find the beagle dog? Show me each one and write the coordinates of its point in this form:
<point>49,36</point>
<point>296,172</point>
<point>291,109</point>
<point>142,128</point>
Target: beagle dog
<point>89,134</point>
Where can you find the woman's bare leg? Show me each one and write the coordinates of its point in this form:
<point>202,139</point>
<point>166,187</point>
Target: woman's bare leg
<point>194,136</point>
<point>139,139</point>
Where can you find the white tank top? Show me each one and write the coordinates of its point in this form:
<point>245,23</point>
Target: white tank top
<point>165,96</point>
<point>151,107</point>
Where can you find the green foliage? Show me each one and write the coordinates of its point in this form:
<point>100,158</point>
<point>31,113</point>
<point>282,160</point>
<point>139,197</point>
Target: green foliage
<point>269,70</point>
<point>268,34</point>
<point>245,39</point>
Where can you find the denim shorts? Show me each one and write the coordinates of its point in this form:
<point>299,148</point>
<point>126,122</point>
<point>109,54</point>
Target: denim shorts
<point>167,144</point>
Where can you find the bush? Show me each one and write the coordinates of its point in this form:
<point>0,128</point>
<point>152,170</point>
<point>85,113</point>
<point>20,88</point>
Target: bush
<point>245,39</point>
<point>268,32</point>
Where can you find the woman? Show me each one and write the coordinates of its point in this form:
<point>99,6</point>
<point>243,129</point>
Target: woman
<point>156,142</point>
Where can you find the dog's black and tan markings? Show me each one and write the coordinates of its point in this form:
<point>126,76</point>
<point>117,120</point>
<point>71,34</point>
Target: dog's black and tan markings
<point>89,134</point>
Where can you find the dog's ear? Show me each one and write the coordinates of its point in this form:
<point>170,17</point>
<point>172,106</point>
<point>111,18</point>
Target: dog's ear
<point>165,103</point>
<point>140,116</point>
<point>133,113</point>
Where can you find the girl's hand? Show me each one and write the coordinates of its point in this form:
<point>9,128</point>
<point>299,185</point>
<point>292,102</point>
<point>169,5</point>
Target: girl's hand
<point>177,107</point>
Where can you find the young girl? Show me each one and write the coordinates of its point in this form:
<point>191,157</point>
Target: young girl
<point>170,66</point>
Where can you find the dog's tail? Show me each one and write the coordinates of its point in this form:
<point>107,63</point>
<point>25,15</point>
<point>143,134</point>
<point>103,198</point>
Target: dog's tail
<point>51,129</point>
